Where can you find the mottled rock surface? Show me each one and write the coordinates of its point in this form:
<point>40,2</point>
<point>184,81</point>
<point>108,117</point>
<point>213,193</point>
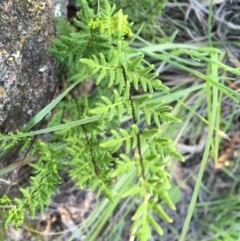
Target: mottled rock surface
<point>27,78</point>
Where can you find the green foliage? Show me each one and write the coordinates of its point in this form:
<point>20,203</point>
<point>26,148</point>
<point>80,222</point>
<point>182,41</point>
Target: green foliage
<point>91,34</point>
<point>91,156</point>
<point>139,12</point>
<point>212,224</point>
<point>128,133</point>
<point>42,184</point>
<point>8,144</point>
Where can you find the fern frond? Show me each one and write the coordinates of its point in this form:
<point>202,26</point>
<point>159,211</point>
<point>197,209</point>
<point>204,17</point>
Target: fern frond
<point>154,225</point>
<point>84,16</point>
<point>160,212</point>
<point>43,183</point>
<point>110,108</point>
<point>123,165</point>
<point>99,66</point>
<point>107,9</point>
<point>121,139</point>
<point>139,76</point>
<point>140,227</point>
<point>135,143</point>
<point>90,164</point>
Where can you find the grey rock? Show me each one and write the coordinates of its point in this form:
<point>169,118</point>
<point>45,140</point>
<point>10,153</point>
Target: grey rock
<point>27,72</point>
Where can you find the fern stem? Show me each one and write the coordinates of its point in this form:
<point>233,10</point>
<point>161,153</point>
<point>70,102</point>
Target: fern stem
<point>134,119</point>
<point>91,151</point>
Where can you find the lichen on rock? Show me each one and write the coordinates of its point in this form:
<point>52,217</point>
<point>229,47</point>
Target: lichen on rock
<point>27,78</point>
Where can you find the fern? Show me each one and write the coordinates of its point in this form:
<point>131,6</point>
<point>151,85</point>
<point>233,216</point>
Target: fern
<point>116,70</point>
<point>139,12</point>
<point>128,134</point>
<point>43,182</point>
<point>90,165</point>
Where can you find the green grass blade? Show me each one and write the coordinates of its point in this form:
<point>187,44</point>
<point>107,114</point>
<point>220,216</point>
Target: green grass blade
<point>54,128</point>
<point>39,116</point>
